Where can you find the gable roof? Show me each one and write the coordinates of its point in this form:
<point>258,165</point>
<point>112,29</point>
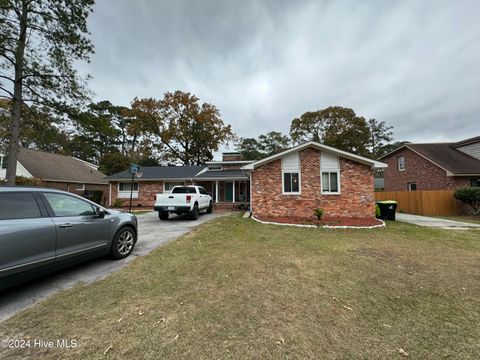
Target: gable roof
<point>55,167</point>
<point>161,172</point>
<point>321,147</point>
<point>445,156</point>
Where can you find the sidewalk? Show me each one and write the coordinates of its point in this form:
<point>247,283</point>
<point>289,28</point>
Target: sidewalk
<point>435,222</point>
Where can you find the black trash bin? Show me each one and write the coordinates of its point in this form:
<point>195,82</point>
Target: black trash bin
<point>387,209</point>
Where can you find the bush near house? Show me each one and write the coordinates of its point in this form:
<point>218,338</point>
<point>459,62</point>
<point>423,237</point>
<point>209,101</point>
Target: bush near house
<point>24,181</point>
<point>469,196</point>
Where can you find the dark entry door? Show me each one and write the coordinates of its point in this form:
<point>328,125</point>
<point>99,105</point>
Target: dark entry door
<point>228,191</point>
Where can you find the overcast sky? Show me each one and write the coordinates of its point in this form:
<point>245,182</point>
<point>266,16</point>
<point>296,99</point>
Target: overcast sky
<point>413,64</point>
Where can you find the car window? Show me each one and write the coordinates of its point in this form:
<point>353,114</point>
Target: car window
<point>18,205</point>
<point>183,190</point>
<point>64,205</point>
<point>203,191</point>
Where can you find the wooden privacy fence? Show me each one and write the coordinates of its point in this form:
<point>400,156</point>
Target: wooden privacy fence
<point>427,202</point>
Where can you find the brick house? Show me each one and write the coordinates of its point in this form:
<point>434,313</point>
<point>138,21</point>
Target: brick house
<point>433,166</point>
<point>295,182</point>
<point>224,180</point>
<point>58,171</point>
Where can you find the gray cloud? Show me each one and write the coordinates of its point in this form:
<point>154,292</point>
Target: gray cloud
<point>412,64</point>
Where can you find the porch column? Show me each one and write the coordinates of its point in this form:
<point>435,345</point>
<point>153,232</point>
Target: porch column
<point>216,191</point>
<point>233,188</point>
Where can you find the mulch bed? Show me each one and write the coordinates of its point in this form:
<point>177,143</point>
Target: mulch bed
<point>331,221</point>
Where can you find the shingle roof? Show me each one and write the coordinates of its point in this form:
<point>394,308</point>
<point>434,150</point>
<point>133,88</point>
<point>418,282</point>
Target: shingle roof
<point>467,141</point>
<point>223,174</point>
<point>43,165</point>
<point>161,172</point>
<point>450,159</point>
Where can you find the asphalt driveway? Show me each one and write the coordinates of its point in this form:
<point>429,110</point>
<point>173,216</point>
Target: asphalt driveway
<point>152,233</point>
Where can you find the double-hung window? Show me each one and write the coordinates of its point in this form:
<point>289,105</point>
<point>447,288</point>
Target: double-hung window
<point>401,163</point>
<point>291,174</point>
<point>330,173</point>
<point>169,185</point>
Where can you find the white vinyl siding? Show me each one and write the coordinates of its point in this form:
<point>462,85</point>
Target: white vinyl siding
<point>329,173</point>
<point>471,149</point>
<point>291,177</point>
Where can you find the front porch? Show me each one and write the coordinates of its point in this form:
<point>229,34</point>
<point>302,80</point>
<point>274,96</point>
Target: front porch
<point>228,194</point>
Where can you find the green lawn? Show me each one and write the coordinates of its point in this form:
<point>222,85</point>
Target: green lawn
<point>234,289</point>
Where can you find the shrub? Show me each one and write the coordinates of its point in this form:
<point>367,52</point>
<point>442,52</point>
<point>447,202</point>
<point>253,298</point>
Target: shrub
<point>318,213</point>
<point>94,195</point>
<point>118,203</point>
<point>469,196</point>
<point>24,181</point>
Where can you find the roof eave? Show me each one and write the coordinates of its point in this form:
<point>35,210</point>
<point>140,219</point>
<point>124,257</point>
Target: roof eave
<point>341,153</point>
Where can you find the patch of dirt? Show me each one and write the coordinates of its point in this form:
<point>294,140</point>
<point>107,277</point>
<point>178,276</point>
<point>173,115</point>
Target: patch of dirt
<point>332,221</point>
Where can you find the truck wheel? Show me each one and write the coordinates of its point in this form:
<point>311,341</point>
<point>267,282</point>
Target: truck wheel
<point>195,213</point>
<point>163,215</point>
<point>210,208</point>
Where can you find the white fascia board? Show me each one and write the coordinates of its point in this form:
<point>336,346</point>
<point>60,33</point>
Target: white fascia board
<point>321,147</point>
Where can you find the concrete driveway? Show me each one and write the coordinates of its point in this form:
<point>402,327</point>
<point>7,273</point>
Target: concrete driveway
<point>152,233</point>
<point>436,222</point>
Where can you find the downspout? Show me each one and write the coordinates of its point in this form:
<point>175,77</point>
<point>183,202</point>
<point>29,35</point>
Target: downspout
<point>251,192</point>
<point>109,194</point>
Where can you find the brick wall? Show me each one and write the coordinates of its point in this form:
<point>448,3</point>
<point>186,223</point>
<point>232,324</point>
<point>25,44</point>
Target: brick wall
<point>232,157</point>
<point>72,188</point>
<point>146,194</point>
<point>418,170</point>
<point>356,198</point>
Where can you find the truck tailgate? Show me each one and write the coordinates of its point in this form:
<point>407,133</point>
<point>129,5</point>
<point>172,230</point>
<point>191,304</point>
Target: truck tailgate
<point>171,200</point>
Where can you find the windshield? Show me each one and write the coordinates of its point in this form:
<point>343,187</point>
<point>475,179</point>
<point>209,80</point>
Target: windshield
<point>183,190</point>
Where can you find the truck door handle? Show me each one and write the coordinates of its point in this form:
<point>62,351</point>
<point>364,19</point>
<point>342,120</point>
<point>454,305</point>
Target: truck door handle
<point>66,226</point>
<point>170,197</point>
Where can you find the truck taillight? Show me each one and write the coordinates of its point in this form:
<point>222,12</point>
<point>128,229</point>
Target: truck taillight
<point>155,197</point>
<point>189,198</point>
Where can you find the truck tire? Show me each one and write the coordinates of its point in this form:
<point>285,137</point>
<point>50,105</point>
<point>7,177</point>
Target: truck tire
<point>163,215</point>
<point>195,213</point>
<point>210,208</point>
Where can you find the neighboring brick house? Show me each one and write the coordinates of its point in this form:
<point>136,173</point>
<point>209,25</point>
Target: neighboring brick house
<point>433,166</point>
<point>295,182</point>
<point>224,180</point>
<point>58,171</point>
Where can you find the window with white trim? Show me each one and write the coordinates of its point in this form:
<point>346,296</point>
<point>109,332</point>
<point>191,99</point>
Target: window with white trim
<point>126,186</point>
<point>3,162</point>
<point>412,186</point>
<point>169,185</point>
<point>330,173</point>
<point>291,174</point>
<point>80,187</point>
<point>401,163</point>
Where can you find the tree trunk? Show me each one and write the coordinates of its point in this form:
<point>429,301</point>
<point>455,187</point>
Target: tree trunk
<point>17,101</point>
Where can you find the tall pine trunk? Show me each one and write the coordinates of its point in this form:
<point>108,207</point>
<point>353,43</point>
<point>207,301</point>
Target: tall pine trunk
<point>16,113</point>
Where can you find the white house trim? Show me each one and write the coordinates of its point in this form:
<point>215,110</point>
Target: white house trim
<point>321,147</point>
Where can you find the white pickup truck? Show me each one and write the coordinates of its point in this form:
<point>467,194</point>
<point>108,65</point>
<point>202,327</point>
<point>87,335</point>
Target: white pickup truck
<point>183,200</point>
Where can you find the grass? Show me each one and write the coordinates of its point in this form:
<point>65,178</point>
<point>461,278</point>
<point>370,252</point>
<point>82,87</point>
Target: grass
<point>234,288</point>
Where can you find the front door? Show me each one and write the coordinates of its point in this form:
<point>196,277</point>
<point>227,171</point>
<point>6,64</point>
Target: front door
<point>229,191</point>
<point>79,230</point>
